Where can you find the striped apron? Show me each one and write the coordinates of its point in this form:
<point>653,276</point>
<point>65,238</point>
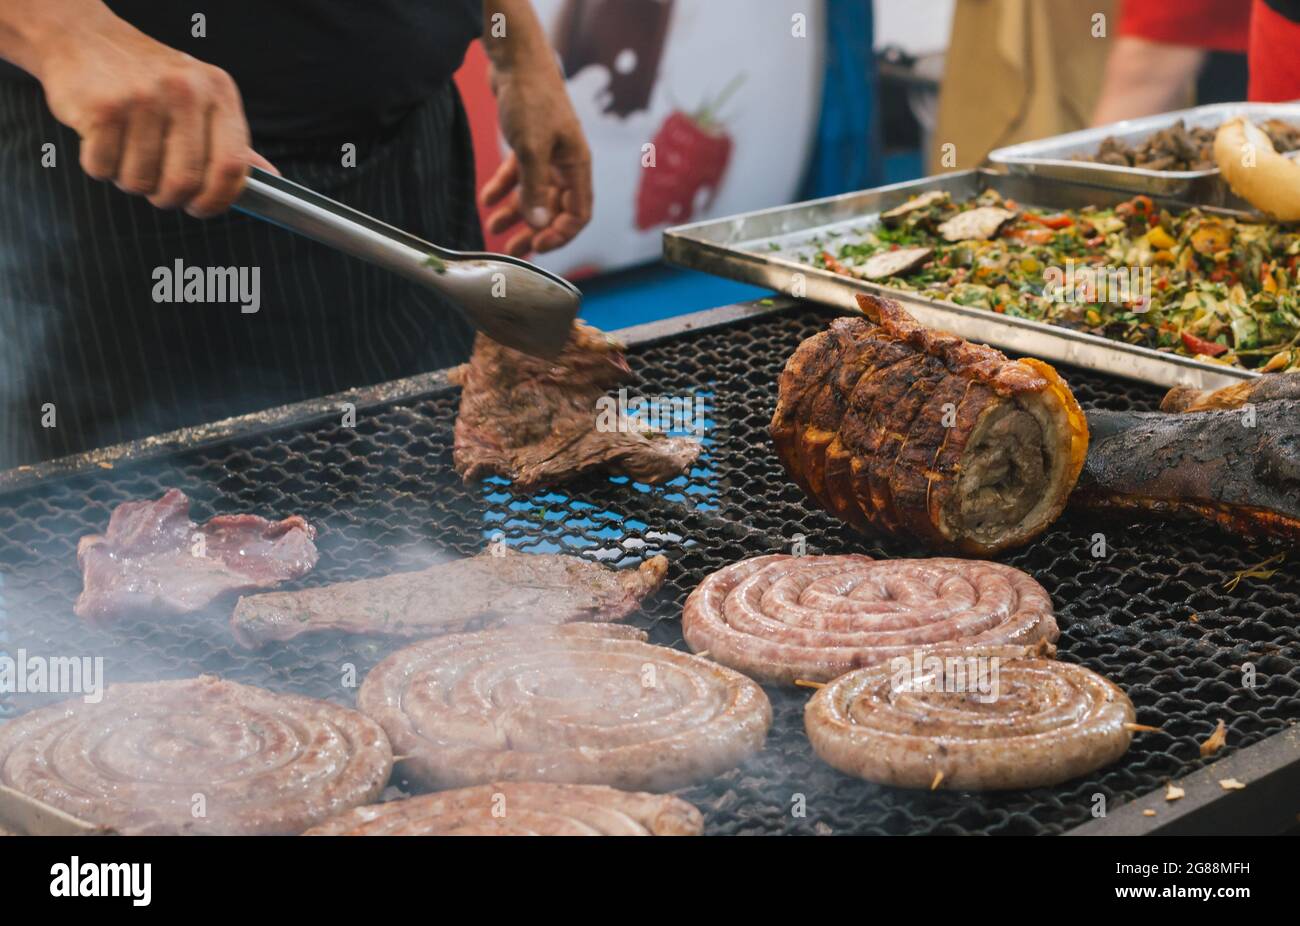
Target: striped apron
<point>85,347</point>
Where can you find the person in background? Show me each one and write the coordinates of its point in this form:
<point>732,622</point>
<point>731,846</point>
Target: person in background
<point>1170,54</point>
<point>1275,51</point>
<point>127,128</point>
<point>1017,70</point>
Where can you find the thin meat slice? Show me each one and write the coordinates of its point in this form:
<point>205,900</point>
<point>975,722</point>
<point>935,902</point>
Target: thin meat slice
<point>540,422</point>
<point>500,588</point>
<point>982,718</point>
<point>154,560</point>
<point>978,224</point>
<point>894,263</point>
<point>522,808</point>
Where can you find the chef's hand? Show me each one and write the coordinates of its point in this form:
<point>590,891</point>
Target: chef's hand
<point>545,183</point>
<point>153,120</point>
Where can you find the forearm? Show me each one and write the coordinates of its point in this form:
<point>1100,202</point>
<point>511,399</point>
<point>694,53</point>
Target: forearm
<point>545,184</point>
<point>512,34</point>
<point>1145,77</point>
<point>31,29</point>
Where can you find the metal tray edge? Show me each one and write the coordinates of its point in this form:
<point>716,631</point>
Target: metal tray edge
<point>685,246</point>
<point>1042,156</point>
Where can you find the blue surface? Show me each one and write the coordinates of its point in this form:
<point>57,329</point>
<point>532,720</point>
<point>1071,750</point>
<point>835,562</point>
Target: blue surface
<point>903,165</point>
<point>655,291</point>
<point>846,151</point>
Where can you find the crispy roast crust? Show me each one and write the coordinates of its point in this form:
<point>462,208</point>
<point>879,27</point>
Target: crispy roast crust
<point>1239,470</point>
<point>875,420</point>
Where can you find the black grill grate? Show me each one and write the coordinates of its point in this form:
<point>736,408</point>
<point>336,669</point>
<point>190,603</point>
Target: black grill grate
<point>385,498</point>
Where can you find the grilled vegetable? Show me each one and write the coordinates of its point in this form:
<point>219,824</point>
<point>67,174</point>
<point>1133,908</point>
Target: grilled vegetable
<point>1200,285</point>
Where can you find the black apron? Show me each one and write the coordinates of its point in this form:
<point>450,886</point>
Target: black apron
<point>84,343</point>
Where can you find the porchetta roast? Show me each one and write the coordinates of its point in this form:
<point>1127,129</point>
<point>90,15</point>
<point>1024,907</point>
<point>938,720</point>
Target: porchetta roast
<point>914,433</point>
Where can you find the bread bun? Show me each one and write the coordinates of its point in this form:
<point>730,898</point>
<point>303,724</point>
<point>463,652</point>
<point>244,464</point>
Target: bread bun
<point>1256,172</point>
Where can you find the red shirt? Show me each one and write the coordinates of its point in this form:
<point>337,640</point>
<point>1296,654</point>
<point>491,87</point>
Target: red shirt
<point>1218,25</point>
<point>1274,54</point>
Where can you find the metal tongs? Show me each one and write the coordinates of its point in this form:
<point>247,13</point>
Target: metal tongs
<point>512,301</point>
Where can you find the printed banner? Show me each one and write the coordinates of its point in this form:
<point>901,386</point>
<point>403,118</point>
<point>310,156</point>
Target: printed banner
<point>692,109</point>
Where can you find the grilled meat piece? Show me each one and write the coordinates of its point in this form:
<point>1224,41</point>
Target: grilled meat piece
<point>1284,136</point>
<point>901,430</point>
<point>894,263</point>
<point>1236,467</point>
<point>978,224</point>
<point>538,422</point>
<point>500,588</point>
<point>1262,389</point>
<point>522,808</point>
<point>783,618</point>
<point>1181,148</point>
<point>1113,151</point>
<point>895,216</point>
<point>584,704</point>
<point>153,558</point>
<point>265,763</point>
<point>1174,148</point>
<point>982,718</point>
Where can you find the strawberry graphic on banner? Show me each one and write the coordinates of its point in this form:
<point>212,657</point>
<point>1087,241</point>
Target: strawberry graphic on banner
<point>690,156</point>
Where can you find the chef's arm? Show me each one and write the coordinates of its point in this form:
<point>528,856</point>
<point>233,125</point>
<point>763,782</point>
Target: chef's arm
<point>153,120</point>
<point>1143,78</point>
<point>544,186</point>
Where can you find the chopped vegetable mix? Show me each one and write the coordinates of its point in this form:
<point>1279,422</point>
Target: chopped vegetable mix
<point>1206,286</point>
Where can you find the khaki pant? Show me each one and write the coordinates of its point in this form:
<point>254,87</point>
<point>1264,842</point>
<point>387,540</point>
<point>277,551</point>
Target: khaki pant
<point>1017,70</point>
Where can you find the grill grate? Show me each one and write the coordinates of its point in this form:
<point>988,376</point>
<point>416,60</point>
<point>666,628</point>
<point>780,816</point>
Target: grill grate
<point>386,498</point>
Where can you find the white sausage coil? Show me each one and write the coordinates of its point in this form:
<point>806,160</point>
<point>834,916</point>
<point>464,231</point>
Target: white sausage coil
<point>1026,722</point>
<point>522,808</point>
<point>586,704</point>
<point>784,618</point>
<point>197,756</point>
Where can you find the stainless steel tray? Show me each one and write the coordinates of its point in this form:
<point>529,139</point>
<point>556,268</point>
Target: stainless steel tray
<point>1053,157</point>
<point>762,247</point>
